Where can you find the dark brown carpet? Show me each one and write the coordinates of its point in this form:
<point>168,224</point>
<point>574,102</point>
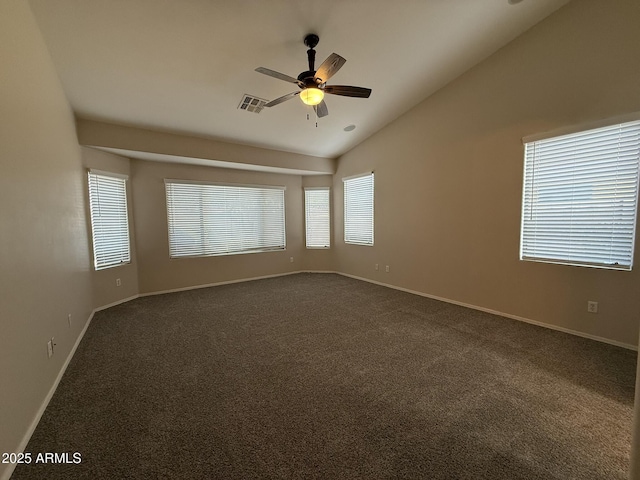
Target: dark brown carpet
<point>319,376</point>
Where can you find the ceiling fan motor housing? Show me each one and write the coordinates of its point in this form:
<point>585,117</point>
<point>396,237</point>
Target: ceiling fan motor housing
<point>313,82</point>
<point>308,79</point>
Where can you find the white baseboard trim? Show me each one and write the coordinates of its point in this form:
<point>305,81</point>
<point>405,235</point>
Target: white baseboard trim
<point>113,304</point>
<point>501,314</point>
<point>207,285</point>
<point>415,292</point>
<point>217,284</point>
<point>38,416</point>
<point>25,440</point>
<point>319,271</point>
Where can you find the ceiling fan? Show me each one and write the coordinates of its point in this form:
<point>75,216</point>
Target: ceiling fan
<point>313,83</point>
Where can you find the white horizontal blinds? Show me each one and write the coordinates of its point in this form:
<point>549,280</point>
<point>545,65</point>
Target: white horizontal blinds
<point>580,197</point>
<point>358,210</point>
<point>317,217</point>
<point>109,220</point>
<point>207,219</point>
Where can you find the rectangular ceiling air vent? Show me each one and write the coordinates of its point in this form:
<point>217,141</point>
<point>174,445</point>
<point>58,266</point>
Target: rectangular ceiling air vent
<point>252,104</point>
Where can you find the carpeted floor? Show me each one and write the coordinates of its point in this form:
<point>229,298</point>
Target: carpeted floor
<point>319,376</point>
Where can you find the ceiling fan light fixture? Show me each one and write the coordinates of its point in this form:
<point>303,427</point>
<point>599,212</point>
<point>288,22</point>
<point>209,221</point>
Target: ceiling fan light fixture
<point>313,82</point>
<point>311,96</point>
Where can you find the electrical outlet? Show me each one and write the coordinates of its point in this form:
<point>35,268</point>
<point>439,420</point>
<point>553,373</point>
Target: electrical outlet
<point>387,268</point>
<point>291,259</point>
<point>69,319</point>
<point>377,267</point>
<point>50,348</point>
<point>118,282</point>
<point>592,307</point>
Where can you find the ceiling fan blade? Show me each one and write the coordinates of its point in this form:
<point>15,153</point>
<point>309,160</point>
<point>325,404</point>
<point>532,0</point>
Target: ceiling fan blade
<point>278,75</point>
<point>347,91</point>
<point>321,109</point>
<point>281,99</point>
<point>329,67</point>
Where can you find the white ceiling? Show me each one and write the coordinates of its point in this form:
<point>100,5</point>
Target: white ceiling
<point>183,65</point>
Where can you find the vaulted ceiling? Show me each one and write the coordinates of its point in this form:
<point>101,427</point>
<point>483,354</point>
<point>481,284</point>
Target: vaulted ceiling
<point>183,66</point>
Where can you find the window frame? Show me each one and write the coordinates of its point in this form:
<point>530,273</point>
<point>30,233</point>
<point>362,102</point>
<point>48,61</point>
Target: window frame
<point>104,247</point>
<point>351,237</point>
<point>614,144</point>
<point>307,221</point>
<point>205,229</point>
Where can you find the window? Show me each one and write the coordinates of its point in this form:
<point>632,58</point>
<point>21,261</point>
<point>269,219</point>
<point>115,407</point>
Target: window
<point>317,218</point>
<point>358,209</point>
<point>109,219</point>
<point>206,219</point>
<point>579,197</point>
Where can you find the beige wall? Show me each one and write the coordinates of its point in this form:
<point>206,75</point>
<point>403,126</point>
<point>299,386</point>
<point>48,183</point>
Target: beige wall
<point>157,272</point>
<point>448,175</point>
<point>105,290</point>
<point>44,247</point>
<point>448,195</point>
<point>131,141</point>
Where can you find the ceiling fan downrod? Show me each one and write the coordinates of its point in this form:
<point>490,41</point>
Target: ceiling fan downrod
<point>311,41</point>
<point>313,83</point>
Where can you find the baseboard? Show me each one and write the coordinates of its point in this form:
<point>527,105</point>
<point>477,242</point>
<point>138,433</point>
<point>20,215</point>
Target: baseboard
<point>206,285</point>
<point>319,271</point>
<point>25,440</point>
<point>501,314</point>
<point>34,424</point>
<point>113,304</point>
<point>415,292</point>
<point>217,284</point>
